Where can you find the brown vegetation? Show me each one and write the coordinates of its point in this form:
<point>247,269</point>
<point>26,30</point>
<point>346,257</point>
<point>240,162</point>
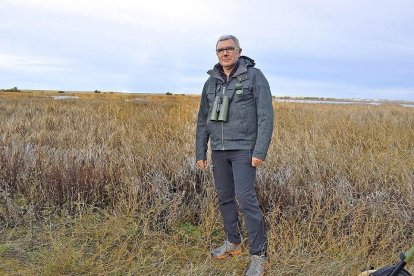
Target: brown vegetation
<point>107,184</point>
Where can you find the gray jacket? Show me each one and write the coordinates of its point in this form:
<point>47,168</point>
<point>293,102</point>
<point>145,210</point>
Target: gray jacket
<point>249,122</point>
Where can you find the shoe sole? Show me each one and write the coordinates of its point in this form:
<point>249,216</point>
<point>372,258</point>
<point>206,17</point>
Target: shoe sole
<point>228,254</point>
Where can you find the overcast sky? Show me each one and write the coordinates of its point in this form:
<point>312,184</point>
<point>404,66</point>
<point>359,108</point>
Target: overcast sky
<point>320,48</point>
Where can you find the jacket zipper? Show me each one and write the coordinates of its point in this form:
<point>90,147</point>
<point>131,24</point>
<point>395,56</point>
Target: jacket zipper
<point>222,124</point>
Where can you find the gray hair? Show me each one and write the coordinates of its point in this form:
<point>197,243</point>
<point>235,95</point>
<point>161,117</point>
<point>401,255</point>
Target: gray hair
<point>227,37</point>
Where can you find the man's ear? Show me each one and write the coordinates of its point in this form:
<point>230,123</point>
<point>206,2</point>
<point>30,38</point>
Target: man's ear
<point>240,50</point>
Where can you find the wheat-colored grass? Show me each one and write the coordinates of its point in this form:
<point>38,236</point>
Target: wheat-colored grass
<point>107,184</point>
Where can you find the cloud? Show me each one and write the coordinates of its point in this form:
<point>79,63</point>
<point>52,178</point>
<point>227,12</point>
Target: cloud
<point>169,45</point>
<point>351,29</point>
<point>32,64</point>
<point>152,15</point>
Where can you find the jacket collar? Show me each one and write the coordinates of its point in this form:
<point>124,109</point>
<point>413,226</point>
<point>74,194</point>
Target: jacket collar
<point>241,73</point>
<point>241,68</point>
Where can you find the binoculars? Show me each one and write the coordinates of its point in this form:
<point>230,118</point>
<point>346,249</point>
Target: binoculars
<point>220,109</point>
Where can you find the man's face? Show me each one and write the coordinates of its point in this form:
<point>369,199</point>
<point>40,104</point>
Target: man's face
<point>227,58</point>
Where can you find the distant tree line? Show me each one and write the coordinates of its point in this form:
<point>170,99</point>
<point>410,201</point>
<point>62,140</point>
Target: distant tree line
<point>14,89</point>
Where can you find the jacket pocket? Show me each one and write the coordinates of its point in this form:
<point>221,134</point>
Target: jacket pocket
<point>243,116</point>
<point>245,93</point>
<point>248,117</point>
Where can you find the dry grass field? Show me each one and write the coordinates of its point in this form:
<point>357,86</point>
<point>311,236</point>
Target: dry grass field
<point>107,184</point>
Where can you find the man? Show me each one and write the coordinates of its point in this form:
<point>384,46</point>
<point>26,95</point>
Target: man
<point>236,115</point>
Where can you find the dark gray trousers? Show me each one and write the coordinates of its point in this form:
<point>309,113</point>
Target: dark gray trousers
<point>234,178</point>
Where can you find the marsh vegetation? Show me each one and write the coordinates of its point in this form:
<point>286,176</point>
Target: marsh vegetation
<point>107,184</point>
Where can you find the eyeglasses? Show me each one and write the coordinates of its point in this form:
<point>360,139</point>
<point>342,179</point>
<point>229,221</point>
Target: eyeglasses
<point>229,50</point>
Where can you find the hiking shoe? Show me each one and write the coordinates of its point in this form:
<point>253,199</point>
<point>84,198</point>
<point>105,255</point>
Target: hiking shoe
<point>258,265</point>
<point>226,250</point>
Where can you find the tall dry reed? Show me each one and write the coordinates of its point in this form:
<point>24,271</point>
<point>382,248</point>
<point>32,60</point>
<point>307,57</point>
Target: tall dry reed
<point>336,188</point>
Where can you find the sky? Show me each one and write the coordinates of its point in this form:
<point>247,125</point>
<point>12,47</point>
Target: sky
<point>321,48</point>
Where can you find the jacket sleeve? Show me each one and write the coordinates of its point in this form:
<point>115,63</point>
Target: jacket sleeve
<point>264,108</point>
<point>202,134</point>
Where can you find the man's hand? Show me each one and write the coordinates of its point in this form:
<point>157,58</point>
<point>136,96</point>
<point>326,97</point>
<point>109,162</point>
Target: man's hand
<point>202,164</point>
<point>256,162</point>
